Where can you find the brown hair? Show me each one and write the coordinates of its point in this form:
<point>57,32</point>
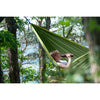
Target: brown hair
<point>54,53</point>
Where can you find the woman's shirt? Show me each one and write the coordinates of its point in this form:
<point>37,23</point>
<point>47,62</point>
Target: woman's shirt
<point>62,62</point>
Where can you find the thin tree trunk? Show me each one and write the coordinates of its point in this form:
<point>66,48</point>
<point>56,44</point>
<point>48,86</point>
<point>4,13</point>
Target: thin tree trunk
<point>42,60</point>
<point>41,57</point>
<point>48,21</point>
<point>63,31</point>
<point>42,63</point>
<point>63,28</point>
<point>12,53</point>
<point>69,31</point>
<point>92,33</point>
<point>42,54</point>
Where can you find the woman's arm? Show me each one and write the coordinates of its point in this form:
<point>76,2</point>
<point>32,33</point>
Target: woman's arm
<point>69,62</point>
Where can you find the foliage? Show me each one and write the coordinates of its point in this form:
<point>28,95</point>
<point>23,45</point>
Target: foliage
<point>4,59</point>
<point>26,36</point>
<point>21,23</point>
<point>28,74</point>
<point>37,18</point>
<point>57,75</point>
<point>53,72</point>
<point>7,39</point>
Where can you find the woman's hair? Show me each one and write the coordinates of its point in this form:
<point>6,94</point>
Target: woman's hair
<point>54,53</point>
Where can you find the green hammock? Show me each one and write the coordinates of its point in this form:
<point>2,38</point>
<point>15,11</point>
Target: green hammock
<point>51,41</point>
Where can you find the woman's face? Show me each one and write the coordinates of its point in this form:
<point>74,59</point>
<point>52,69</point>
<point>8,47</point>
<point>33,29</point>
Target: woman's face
<point>58,56</point>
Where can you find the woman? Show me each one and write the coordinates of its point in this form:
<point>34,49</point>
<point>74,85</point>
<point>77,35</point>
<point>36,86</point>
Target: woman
<point>62,63</point>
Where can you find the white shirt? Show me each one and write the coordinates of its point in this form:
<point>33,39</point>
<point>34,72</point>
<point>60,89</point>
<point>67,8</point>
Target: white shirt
<point>62,62</point>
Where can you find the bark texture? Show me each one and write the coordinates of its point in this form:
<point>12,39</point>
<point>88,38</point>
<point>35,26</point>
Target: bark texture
<point>92,33</point>
<point>12,53</point>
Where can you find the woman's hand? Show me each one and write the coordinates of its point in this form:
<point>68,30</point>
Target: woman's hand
<point>68,55</point>
<point>69,62</point>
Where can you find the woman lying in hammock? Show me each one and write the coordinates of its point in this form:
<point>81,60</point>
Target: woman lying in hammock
<point>62,63</point>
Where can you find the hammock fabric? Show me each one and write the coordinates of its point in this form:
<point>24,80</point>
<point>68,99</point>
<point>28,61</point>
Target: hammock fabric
<point>51,41</point>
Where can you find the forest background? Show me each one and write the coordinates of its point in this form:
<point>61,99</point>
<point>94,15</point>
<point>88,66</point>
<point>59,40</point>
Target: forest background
<point>88,10</point>
<point>20,49</point>
<point>26,60</point>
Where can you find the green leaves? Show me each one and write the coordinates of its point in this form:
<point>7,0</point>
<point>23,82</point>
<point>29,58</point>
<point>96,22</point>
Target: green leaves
<point>28,74</point>
<point>7,39</point>
<point>39,18</point>
<point>66,23</point>
<point>21,23</point>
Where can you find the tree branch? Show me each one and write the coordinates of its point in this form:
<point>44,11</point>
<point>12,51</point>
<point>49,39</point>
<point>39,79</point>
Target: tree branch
<point>25,41</point>
<point>69,31</point>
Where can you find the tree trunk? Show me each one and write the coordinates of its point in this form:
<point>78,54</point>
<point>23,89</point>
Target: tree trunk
<point>42,61</point>
<point>1,19</point>
<point>48,21</point>
<point>63,28</point>
<point>12,53</point>
<point>42,54</point>
<point>41,50</point>
<point>92,33</point>
<point>1,72</point>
